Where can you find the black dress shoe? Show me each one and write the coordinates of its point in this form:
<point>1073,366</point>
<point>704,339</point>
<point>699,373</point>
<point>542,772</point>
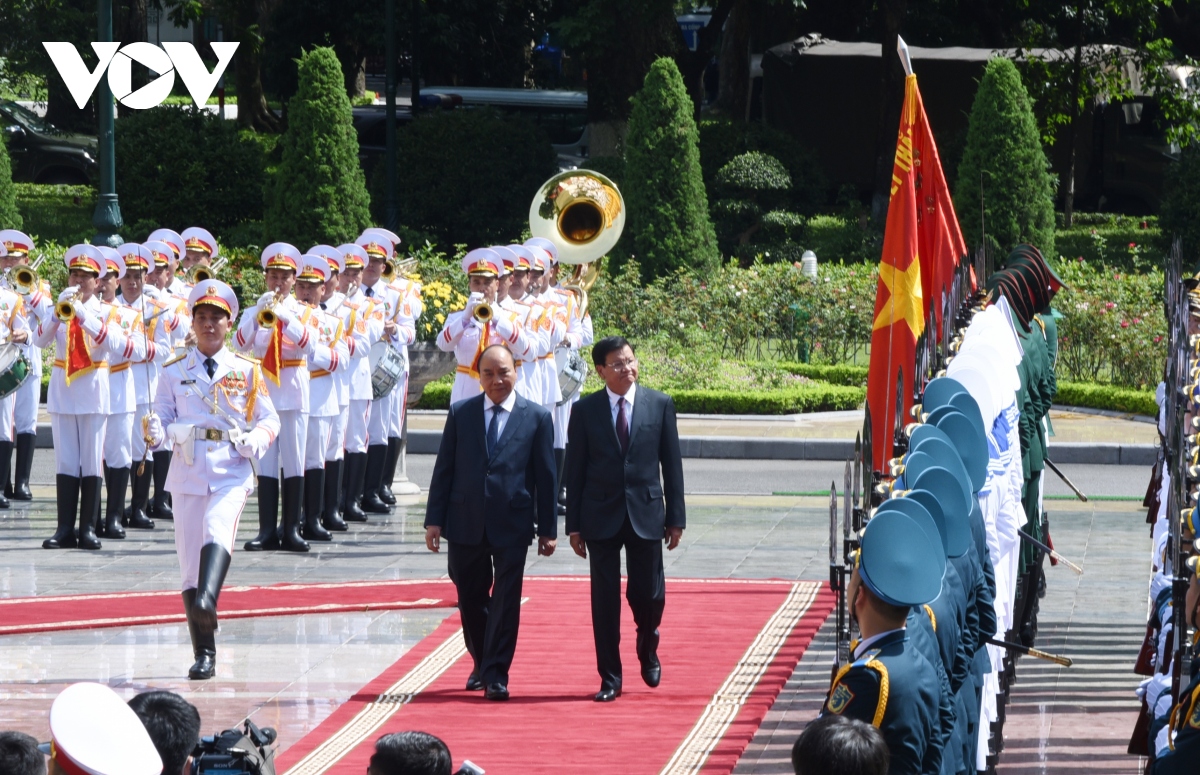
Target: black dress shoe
<point>608,692</point>
<point>496,692</point>
<point>473,683</point>
<point>204,668</point>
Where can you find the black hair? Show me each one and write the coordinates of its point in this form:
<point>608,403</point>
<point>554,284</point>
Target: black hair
<point>410,753</point>
<point>609,344</point>
<point>19,755</point>
<point>837,745</point>
<point>173,724</point>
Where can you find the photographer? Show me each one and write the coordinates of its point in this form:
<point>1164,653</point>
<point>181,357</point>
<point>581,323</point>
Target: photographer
<point>410,753</point>
<point>19,755</point>
<point>173,724</point>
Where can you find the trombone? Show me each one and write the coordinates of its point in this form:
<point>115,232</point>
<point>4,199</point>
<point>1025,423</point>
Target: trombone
<point>199,273</point>
<point>393,269</point>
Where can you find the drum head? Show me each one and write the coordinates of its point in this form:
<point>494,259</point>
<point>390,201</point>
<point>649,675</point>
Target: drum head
<point>378,352</point>
<point>9,354</point>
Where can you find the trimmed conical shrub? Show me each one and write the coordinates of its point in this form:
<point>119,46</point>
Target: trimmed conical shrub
<point>1005,148</point>
<point>663,185</point>
<point>10,216</point>
<point>320,193</point>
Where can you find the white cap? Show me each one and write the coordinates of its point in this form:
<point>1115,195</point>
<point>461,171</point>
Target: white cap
<point>281,255</point>
<point>85,257</point>
<point>195,238</point>
<point>335,257</point>
<point>313,268</point>
<point>171,237</point>
<point>113,262</point>
<point>93,732</point>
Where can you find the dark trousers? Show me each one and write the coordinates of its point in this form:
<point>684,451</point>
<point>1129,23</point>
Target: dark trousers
<point>646,593</point>
<point>490,621</point>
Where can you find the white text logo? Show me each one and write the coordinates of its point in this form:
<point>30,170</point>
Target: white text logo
<point>171,58</point>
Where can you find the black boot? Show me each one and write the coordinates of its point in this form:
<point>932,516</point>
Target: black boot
<point>115,482</point>
<point>25,444</point>
<point>389,471</point>
<point>67,501</point>
<point>161,507</point>
<point>268,516</point>
<point>6,450</point>
<point>314,503</point>
<point>189,600</point>
<point>214,564</point>
<point>371,502</point>
<point>293,498</point>
<point>331,516</point>
<point>203,643</point>
<point>89,509</point>
<point>135,515</point>
<point>560,461</point>
<point>356,469</point>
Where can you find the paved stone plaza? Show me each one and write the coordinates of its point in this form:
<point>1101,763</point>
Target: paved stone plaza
<point>291,672</point>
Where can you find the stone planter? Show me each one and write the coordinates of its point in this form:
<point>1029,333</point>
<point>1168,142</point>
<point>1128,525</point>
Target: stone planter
<point>426,363</point>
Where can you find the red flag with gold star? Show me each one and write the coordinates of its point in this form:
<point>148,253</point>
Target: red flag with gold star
<point>899,297</point>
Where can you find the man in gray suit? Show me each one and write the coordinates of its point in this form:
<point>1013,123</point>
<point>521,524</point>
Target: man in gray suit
<point>624,477</point>
<point>493,487</point>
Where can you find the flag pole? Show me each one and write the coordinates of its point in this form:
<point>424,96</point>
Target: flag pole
<point>905,59</point>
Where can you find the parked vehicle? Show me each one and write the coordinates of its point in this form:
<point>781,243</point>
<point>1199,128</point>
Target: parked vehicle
<point>43,153</point>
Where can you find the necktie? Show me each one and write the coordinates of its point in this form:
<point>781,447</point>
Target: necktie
<point>622,426</point>
<point>369,292</point>
<point>210,366</point>
<point>322,305</point>
<point>493,430</point>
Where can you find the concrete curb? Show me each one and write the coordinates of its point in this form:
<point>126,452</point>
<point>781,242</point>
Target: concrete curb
<point>759,448</point>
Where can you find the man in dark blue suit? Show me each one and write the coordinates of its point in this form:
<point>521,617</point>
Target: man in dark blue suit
<point>493,487</point>
<point>624,477</point>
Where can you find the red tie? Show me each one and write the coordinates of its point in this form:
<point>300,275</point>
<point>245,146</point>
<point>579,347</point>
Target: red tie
<point>622,426</point>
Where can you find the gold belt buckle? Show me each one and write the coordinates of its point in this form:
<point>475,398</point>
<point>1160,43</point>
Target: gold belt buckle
<point>212,434</point>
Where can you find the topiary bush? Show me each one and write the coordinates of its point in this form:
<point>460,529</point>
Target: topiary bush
<point>664,190</point>
<point>466,176</point>
<point>1181,204</point>
<point>834,238</point>
<point>178,166</point>
<point>1003,145</point>
<point>10,216</point>
<point>319,193</point>
<point>748,220</point>
<point>722,139</point>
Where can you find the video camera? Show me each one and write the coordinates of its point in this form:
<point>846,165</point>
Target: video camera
<point>234,752</point>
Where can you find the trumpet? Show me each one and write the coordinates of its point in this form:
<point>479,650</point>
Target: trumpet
<point>65,310</point>
<point>199,273</point>
<point>266,316</point>
<point>483,312</point>
<point>24,277</point>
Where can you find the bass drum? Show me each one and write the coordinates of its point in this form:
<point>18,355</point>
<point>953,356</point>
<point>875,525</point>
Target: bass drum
<point>387,368</point>
<point>14,369</point>
<point>572,371</point>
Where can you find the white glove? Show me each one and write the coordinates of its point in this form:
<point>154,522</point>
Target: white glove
<point>1162,742</point>
<point>253,444</point>
<point>1153,688</point>
<point>154,429</point>
<point>266,297</point>
<point>68,293</point>
<point>473,301</point>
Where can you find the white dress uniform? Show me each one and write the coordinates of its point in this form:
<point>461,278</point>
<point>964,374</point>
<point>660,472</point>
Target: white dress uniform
<point>12,319</point>
<point>79,398</point>
<point>216,413</point>
<point>29,396</point>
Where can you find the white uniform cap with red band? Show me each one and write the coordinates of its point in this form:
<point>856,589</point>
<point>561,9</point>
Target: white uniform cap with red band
<point>169,236</point>
<point>376,245</point>
<point>546,245</point>
<point>281,255</point>
<point>85,257</point>
<point>93,732</point>
<point>337,261</point>
<point>3,250</point>
<point>216,294</point>
<point>508,257</point>
<point>195,238</point>
<point>355,256</point>
<point>113,263</point>
<point>160,251</point>
<point>136,256</point>
<point>15,243</point>
<point>483,261</point>
<point>387,234</point>
<point>524,256</point>
<point>313,269</point>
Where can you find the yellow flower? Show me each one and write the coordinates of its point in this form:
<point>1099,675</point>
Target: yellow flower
<point>440,318</point>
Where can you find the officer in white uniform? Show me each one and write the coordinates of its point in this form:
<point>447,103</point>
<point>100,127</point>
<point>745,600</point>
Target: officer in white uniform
<point>122,398</point>
<point>284,351</point>
<point>18,246</point>
<point>364,316</point>
<point>78,398</point>
<point>467,337</point>
<point>175,240</point>
<point>93,732</point>
<point>13,330</point>
<point>161,278</point>
<point>214,408</point>
<point>158,326</point>
<point>331,359</point>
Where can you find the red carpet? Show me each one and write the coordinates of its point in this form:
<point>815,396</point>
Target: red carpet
<point>124,609</point>
<point>728,647</point>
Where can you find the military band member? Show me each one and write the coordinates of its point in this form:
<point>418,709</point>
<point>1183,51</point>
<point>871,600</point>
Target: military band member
<point>379,253</point>
<point>332,357</point>
<point>160,280</point>
<point>14,330</point>
<point>214,408</point>
<point>78,398</point>
<point>18,246</point>
<point>200,248</point>
<point>409,310</point>
<point>530,384</point>
<point>158,325</point>
<point>364,316</point>
<point>176,287</point>
<point>467,335</point>
<point>285,350</point>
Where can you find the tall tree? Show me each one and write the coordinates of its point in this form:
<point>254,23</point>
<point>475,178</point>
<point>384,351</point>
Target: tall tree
<point>10,216</point>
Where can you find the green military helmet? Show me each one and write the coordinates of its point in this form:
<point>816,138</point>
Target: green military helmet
<point>969,440</point>
<point>900,559</point>
<point>955,508</point>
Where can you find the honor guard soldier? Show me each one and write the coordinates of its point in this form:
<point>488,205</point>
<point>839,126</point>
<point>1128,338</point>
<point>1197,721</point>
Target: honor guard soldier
<point>1177,745</point>
<point>84,336</point>
<point>18,246</point>
<point>276,331</point>
<point>93,732</point>
<point>158,323</point>
<point>468,332</point>
<point>889,684</point>
<point>364,317</point>
<point>122,395</point>
<point>14,331</point>
<point>214,408</point>
<point>331,358</point>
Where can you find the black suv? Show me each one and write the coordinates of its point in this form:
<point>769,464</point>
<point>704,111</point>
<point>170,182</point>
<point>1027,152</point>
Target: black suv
<point>43,153</point>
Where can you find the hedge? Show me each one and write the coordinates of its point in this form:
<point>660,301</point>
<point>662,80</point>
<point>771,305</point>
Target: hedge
<point>1115,399</point>
<point>846,374</point>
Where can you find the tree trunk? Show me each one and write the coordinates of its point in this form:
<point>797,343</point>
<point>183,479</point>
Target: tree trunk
<point>356,75</point>
<point>733,88</point>
<point>891,100</point>
<point>253,111</point>
<point>692,64</point>
<point>616,72</point>
<point>1073,129</point>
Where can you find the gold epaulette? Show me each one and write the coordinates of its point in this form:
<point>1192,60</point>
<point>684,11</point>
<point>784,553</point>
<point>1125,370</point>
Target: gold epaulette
<point>176,359</point>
